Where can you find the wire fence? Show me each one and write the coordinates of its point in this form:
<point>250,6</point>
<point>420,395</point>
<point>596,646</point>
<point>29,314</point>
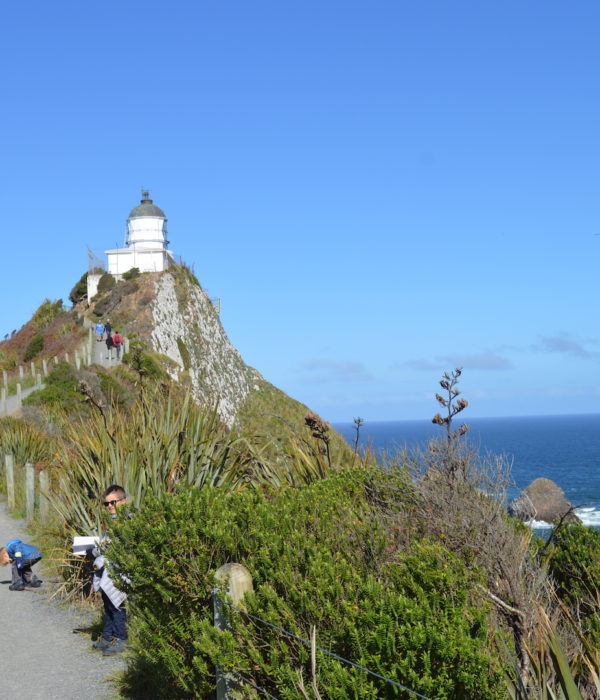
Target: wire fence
<point>331,654</point>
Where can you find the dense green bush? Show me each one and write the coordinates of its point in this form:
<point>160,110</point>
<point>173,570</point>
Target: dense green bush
<point>574,563</point>
<point>60,390</point>
<point>79,291</point>
<point>106,283</point>
<point>34,348</point>
<point>319,555</point>
<point>131,274</point>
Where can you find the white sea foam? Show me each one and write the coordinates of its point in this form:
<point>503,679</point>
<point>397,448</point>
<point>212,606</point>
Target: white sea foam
<point>538,524</point>
<point>589,516</point>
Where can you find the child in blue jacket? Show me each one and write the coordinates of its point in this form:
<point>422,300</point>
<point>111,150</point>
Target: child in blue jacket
<point>22,557</point>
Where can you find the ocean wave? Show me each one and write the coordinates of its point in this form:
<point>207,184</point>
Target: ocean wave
<point>589,516</point>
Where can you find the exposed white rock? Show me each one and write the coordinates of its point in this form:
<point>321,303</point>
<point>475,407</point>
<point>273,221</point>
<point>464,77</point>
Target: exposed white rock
<point>186,320</point>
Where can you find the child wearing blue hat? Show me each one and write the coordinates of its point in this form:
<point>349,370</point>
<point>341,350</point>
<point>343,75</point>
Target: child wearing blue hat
<point>21,557</point>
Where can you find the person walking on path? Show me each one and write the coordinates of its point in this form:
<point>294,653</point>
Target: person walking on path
<point>108,326</point>
<point>114,633</point>
<point>99,331</point>
<point>109,346</point>
<point>117,343</point>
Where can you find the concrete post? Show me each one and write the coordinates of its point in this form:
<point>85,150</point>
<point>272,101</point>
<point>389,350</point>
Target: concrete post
<point>66,357</point>
<point>77,362</point>
<point>29,490</point>
<point>19,396</point>
<point>38,379</point>
<point>44,504</point>
<point>21,372</point>
<point>5,378</point>
<point>45,367</point>
<point>3,407</point>
<point>235,581</point>
<point>55,359</point>
<point>33,369</point>
<point>9,468</point>
<point>125,345</point>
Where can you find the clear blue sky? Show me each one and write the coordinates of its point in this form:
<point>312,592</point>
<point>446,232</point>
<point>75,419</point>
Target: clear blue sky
<point>377,191</point>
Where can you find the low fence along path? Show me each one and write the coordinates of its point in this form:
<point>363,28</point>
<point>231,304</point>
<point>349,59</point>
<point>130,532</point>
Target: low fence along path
<point>43,653</point>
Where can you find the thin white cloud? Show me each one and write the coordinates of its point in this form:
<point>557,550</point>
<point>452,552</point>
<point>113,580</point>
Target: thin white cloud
<point>320,369</point>
<point>481,361</point>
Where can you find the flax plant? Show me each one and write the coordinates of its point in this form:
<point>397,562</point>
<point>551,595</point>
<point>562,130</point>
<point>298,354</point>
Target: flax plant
<point>163,441</point>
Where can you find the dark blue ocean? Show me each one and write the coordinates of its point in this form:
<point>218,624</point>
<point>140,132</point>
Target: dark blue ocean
<point>565,449</point>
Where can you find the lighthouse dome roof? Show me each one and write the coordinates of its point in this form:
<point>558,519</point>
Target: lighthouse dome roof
<point>146,208</point>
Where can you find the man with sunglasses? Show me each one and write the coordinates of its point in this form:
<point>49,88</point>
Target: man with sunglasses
<point>114,633</point>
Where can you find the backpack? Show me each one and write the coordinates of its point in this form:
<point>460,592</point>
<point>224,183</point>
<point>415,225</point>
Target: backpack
<point>117,339</point>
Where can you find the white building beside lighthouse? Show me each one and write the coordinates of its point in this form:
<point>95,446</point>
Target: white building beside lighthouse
<point>145,241</point>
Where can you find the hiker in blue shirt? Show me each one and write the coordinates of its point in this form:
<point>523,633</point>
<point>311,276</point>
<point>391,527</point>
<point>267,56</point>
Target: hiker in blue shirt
<point>99,331</point>
<point>22,557</point>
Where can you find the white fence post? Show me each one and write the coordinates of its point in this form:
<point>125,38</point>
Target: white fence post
<point>44,488</point>
<point>29,490</point>
<point>9,468</point>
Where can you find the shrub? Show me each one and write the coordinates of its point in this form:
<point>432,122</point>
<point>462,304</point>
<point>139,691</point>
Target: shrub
<point>79,291</point>
<point>8,360</point>
<point>574,563</point>
<point>46,313</point>
<point>320,556</point>
<point>34,348</point>
<point>106,283</point>
<point>132,274</point>
<point>60,390</point>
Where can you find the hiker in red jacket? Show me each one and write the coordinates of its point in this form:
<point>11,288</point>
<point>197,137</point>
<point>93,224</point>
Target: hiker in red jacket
<point>117,342</point>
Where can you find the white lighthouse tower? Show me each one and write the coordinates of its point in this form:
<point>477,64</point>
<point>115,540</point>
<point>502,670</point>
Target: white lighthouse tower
<point>145,241</point>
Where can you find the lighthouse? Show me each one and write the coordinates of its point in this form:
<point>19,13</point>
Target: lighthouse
<point>145,241</point>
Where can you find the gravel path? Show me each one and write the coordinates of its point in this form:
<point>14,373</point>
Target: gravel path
<point>42,654</point>
<point>12,405</point>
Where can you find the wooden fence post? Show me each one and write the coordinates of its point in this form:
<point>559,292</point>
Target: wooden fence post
<point>44,488</point>
<point>29,490</point>
<point>235,581</point>
<point>9,467</point>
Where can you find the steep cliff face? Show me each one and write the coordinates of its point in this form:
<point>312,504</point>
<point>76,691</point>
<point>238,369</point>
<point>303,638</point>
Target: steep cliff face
<point>172,316</point>
<point>187,329</point>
